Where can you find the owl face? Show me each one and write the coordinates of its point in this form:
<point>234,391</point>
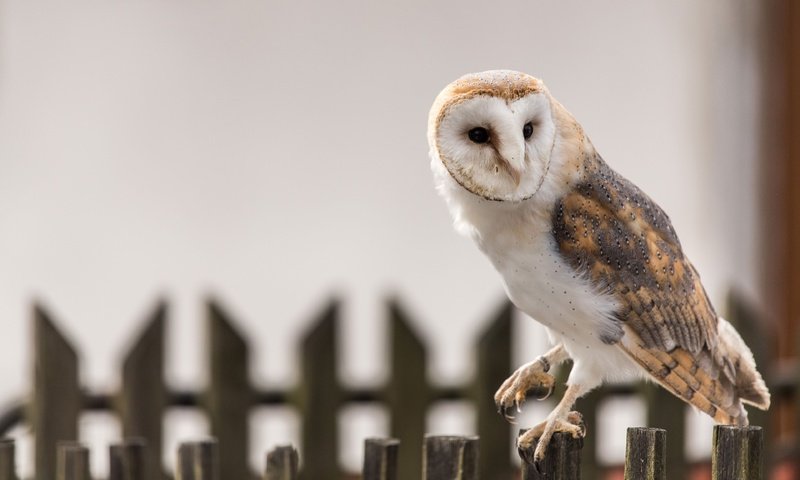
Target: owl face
<point>494,133</point>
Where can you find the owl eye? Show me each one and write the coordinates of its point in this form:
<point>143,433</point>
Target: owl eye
<point>478,135</point>
<point>527,130</point>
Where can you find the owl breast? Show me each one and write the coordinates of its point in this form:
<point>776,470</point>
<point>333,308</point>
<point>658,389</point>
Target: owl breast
<point>540,282</point>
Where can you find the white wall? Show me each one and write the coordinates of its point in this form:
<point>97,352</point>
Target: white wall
<point>274,153</point>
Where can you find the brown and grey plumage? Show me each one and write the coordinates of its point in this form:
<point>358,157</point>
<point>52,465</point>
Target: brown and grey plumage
<point>583,251</point>
<point>607,227</point>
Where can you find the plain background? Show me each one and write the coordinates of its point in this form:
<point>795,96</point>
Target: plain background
<point>273,154</point>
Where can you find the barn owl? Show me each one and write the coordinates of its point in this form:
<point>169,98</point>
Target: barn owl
<point>583,251</point>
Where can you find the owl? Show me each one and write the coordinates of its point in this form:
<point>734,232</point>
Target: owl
<point>583,251</point>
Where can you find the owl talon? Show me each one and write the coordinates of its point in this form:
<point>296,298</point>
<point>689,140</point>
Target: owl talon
<point>530,379</point>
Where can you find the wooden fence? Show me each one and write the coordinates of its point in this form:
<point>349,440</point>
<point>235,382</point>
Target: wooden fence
<point>736,455</point>
<point>52,409</point>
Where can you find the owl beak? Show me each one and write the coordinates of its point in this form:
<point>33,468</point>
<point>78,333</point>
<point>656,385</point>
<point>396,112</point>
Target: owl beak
<point>515,174</point>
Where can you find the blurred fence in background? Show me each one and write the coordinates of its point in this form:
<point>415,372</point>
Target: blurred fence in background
<point>57,400</point>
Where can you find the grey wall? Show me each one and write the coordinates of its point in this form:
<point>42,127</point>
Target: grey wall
<point>274,153</point>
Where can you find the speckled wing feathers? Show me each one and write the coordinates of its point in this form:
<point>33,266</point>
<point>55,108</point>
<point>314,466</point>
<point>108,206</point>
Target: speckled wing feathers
<point>609,230</point>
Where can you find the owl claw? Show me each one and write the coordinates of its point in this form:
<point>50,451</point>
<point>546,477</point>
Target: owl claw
<point>529,380</point>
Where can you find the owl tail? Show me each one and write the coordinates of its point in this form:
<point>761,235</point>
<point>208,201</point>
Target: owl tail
<point>740,367</point>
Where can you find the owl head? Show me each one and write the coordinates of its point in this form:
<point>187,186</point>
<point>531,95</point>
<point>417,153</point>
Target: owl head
<point>494,132</point>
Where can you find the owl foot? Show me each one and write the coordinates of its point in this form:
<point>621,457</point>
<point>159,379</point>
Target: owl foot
<point>529,379</point>
<point>541,434</point>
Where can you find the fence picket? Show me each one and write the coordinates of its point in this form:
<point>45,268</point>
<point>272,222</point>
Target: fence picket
<point>736,453</point>
<point>380,459</point>
<point>142,399</point>
<point>408,393</point>
<point>645,454</point>
<point>72,462</point>
<point>56,393</point>
<point>666,411</point>
<point>320,397</point>
<point>129,460</point>
<point>198,461</point>
<point>8,468</point>
<point>562,460</point>
<point>450,458</point>
<point>493,367</point>
<point>229,395</point>
<point>282,464</point>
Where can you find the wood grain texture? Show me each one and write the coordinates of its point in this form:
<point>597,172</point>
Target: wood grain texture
<point>736,453</point>
<point>198,461</point>
<point>450,458</point>
<point>129,460</point>
<point>380,459</point>
<point>562,460</point>
<point>8,468</point>
<point>645,454</point>
<point>72,462</point>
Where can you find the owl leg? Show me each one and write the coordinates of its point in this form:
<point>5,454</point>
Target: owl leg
<point>529,378</point>
<point>561,419</point>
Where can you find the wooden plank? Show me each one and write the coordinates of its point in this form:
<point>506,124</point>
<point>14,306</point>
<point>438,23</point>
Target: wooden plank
<point>562,460</point>
<point>8,468</point>
<point>128,460</point>
<point>736,453</point>
<point>56,402</point>
<point>72,462</point>
<point>142,399</point>
<point>229,396</point>
<point>666,411</point>
<point>645,454</point>
<point>319,398</point>
<point>450,458</point>
<point>198,461</point>
<point>282,464</point>
<point>380,458</point>
<point>493,367</point>
<point>408,394</point>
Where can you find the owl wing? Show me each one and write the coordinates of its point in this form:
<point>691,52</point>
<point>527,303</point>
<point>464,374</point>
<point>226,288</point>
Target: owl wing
<point>625,244</point>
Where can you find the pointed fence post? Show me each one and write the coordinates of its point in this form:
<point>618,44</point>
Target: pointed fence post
<point>128,460</point>
<point>56,393</point>
<point>736,453</point>
<point>142,399</point>
<point>282,464</point>
<point>562,460</point>
<point>408,394</point>
<point>493,367</point>
<point>8,468</point>
<point>198,461</point>
<point>380,459</point>
<point>72,462</point>
<point>229,396</point>
<point>320,397</point>
<point>645,454</point>
<point>450,458</point>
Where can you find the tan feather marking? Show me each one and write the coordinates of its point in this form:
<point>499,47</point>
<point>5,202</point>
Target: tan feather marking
<point>673,371</point>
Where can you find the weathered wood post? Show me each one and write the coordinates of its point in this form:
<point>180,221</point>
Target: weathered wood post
<point>450,458</point>
<point>56,401</point>
<point>282,464</point>
<point>562,460</point>
<point>493,367</point>
<point>198,461</point>
<point>645,454</point>
<point>736,453</point>
<point>666,411</point>
<point>380,459</point>
<point>408,394</point>
<point>142,399</point>
<point>72,462</point>
<point>129,460</point>
<point>8,468</point>
<point>319,398</point>
<point>229,396</point>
